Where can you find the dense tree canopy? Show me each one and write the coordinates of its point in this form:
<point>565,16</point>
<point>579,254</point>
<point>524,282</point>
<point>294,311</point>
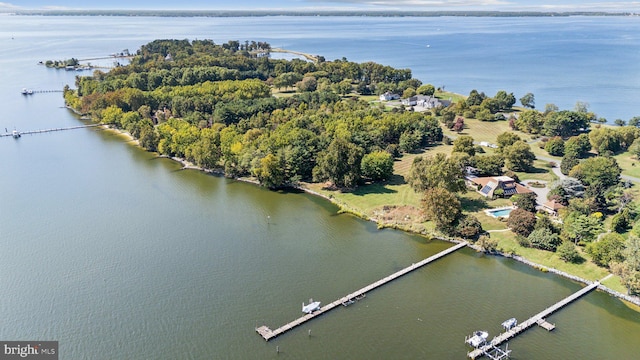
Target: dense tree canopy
<point>436,171</point>
<point>442,207</point>
<point>518,157</point>
<point>212,105</point>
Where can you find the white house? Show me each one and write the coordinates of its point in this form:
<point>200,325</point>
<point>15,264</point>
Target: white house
<point>389,96</point>
<point>427,102</point>
<point>412,101</point>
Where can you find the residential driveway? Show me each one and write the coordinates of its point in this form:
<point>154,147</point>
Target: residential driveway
<point>541,193</point>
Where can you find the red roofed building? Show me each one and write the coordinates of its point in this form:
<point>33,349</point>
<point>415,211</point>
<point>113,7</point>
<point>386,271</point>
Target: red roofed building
<point>488,185</point>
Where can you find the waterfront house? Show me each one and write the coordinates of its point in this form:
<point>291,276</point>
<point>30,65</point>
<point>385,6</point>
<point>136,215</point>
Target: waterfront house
<point>387,96</point>
<point>552,207</point>
<point>424,101</point>
<point>488,185</point>
<point>412,101</point>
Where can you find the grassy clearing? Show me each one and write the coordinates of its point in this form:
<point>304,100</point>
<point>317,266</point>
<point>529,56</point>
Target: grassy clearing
<point>368,198</point>
<point>541,171</point>
<point>446,95</point>
<point>629,164</point>
<point>535,148</point>
<point>484,130</point>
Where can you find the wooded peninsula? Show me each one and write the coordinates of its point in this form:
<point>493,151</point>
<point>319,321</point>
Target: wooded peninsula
<point>388,147</point>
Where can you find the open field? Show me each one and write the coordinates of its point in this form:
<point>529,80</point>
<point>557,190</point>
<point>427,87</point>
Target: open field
<point>629,164</point>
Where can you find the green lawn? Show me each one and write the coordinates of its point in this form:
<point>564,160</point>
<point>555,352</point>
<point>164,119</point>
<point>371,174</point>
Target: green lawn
<point>629,164</point>
<point>540,171</point>
<point>367,198</point>
<point>586,270</point>
<point>446,95</point>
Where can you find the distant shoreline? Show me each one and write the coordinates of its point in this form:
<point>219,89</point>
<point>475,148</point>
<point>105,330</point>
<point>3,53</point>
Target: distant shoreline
<point>257,13</point>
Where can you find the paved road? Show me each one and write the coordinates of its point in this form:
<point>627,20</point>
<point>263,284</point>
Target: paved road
<point>556,169</point>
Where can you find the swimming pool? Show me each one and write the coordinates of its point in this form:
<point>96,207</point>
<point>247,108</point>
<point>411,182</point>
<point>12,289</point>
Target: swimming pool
<point>499,212</point>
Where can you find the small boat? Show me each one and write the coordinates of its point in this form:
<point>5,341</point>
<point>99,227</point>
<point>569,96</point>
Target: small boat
<point>24,91</point>
<point>508,324</point>
<point>15,134</point>
<point>348,302</point>
<point>29,92</point>
<point>477,339</point>
<point>311,307</point>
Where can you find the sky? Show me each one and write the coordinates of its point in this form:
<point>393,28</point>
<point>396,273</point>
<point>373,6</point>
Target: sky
<point>402,5</point>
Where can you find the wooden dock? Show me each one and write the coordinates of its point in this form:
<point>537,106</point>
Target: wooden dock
<point>269,334</point>
<point>538,318</point>
<point>546,325</point>
<point>50,130</point>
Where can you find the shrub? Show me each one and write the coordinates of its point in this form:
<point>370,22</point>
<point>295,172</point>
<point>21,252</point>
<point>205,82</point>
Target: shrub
<point>567,252</point>
<point>521,222</point>
<point>544,239</point>
<point>523,241</point>
<point>468,226</point>
<point>487,244</point>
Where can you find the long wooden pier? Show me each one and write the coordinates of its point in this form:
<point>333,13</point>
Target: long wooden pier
<point>269,334</point>
<point>538,318</point>
<point>46,91</point>
<point>50,130</point>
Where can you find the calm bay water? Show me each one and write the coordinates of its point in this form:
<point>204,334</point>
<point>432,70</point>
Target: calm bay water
<point>119,255</point>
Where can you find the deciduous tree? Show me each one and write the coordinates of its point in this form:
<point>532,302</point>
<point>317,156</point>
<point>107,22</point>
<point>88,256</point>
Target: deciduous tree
<point>555,146</point>
<point>567,252</point>
<point>525,201</point>
<point>518,157</point>
<point>464,144</point>
<point>521,222</point>
<point>436,172</point>
<point>528,101</point>
<point>489,165</point>
<point>506,139</point>
<point>607,249</point>
<point>339,163</point>
<point>377,165</point>
<point>578,146</point>
<point>442,207</point>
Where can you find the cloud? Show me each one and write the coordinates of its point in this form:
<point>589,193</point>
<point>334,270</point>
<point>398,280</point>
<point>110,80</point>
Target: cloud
<point>7,6</point>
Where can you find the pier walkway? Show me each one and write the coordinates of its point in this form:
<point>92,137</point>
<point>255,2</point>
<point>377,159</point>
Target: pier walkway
<point>538,318</point>
<point>46,91</point>
<point>269,334</point>
<point>49,130</point>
